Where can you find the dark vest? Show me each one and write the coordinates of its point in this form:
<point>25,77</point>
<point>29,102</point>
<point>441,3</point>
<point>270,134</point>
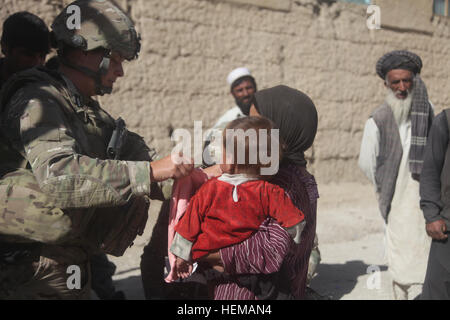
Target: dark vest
<point>445,179</point>
<point>389,157</point>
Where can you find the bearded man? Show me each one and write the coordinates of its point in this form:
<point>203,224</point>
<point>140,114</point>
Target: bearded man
<point>242,88</point>
<point>391,156</point>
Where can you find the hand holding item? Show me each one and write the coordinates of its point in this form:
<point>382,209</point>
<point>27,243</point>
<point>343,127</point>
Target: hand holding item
<point>167,168</point>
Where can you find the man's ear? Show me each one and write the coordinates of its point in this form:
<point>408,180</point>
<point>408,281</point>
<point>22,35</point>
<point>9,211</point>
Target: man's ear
<point>386,80</point>
<point>232,93</point>
<point>81,57</point>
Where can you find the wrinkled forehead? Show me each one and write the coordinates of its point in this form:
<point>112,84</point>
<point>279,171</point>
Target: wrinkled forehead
<point>399,74</point>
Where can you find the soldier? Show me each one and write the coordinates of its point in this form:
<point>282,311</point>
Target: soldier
<point>24,42</point>
<point>74,182</point>
<point>102,270</point>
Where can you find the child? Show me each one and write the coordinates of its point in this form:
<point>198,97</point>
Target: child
<point>229,209</point>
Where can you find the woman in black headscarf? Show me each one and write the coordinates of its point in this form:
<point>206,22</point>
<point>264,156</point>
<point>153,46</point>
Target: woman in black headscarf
<point>294,114</point>
<point>296,117</point>
<point>269,265</point>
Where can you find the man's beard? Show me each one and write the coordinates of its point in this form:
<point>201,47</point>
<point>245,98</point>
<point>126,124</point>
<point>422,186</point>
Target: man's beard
<point>400,107</point>
<point>245,107</point>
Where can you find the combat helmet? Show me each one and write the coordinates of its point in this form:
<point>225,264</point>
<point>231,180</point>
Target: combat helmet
<point>94,24</point>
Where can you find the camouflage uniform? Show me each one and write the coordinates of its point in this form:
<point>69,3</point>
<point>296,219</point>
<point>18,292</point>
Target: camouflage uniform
<point>59,187</point>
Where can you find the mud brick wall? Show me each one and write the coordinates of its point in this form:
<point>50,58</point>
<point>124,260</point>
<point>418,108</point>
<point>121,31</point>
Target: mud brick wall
<point>321,47</point>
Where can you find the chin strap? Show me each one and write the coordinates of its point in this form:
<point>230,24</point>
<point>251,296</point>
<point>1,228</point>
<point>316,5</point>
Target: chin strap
<point>100,89</point>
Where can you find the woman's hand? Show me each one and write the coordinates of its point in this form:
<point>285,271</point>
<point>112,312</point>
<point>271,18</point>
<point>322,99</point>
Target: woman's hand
<point>214,260</point>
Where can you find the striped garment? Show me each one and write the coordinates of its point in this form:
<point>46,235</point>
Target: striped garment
<point>271,249</point>
<point>421,118</point>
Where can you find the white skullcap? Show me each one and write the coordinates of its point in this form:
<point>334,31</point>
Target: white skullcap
<point>238,73</point>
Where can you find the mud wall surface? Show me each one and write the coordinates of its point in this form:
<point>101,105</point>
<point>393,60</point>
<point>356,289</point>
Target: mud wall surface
<point>323,48</point>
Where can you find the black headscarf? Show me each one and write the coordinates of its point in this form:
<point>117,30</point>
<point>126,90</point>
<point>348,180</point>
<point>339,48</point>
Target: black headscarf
<point>294,114</point>
<point>398,59</point>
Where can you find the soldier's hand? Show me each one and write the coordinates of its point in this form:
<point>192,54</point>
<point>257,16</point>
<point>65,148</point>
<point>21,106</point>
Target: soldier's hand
<point>436,230</point>
<point>167,168</point>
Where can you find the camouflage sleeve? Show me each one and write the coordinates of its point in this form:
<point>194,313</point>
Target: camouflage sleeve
<point>135,149</point>
<point>74,180</point>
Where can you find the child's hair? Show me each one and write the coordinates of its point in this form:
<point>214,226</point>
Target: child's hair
<point>250,127</point>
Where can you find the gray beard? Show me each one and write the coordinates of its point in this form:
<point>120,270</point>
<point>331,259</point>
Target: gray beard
<point>400,108</point>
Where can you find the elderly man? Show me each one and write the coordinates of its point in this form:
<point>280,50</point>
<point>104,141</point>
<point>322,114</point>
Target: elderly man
<point>391,157</point>
<point>25,43</point>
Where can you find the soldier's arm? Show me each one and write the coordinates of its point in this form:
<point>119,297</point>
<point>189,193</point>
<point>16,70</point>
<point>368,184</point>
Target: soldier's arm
<point>74,180</point>
<point>135,149</point>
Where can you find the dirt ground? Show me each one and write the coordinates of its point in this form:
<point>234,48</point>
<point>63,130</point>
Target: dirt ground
<point>350,231</point>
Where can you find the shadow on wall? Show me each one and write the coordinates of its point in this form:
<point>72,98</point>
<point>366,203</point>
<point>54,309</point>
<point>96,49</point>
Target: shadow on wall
<point>337,280</point>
